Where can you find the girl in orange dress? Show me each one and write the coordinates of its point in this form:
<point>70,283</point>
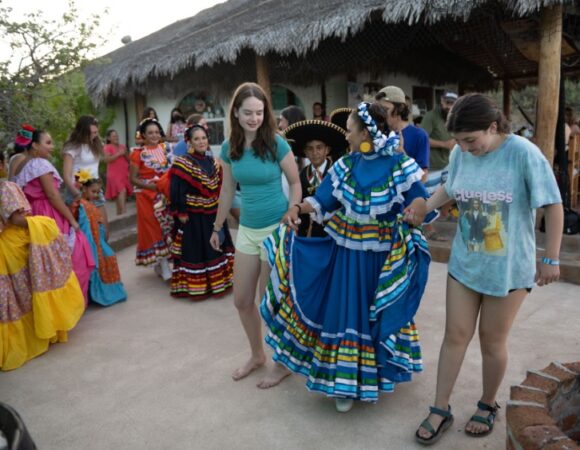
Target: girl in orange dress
<point>147,165</point>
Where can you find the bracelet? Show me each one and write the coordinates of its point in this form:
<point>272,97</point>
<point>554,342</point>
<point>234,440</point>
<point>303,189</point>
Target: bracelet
<point>217,230</point>
<point>550,262</point>
<point>299,208</point>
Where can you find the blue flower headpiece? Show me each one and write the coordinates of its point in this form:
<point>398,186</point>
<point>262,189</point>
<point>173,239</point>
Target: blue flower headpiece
<point>383,145</point>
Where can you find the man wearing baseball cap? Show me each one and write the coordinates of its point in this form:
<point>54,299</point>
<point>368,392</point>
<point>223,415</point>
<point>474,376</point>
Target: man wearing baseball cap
<point>415,140</point>
<point>440,140</point>
<point>441,143</point>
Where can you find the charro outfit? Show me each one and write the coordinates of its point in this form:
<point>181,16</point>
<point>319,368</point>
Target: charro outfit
<point>310,179</point>
<point>340,309</point>
<point>300,135</point>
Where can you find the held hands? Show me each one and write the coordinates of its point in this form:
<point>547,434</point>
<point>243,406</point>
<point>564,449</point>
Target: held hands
<point>415,213</point>
<point>546,274</point>
<point>291,217</point>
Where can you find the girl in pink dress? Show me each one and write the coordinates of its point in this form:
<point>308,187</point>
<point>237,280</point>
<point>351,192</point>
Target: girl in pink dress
<point>40,182</point>
<point>117,159</point>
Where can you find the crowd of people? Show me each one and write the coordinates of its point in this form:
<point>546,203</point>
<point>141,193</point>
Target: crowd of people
<point>333,236</point>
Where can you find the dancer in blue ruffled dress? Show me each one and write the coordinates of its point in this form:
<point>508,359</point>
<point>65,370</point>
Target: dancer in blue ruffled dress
<point>340,308</point>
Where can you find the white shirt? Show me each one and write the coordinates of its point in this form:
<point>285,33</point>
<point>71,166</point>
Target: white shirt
<point>83,158</point>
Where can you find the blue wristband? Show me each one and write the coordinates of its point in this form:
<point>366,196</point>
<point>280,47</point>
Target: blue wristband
<point>550,262</point>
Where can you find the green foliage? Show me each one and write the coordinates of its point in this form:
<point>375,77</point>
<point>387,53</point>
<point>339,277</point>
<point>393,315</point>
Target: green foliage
<point>526,98</point>
<point>41,83</point>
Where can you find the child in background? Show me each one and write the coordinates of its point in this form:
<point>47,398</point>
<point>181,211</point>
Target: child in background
<point>105,286</point>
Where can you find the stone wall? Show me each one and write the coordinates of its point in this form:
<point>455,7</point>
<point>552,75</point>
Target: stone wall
<point>543,412</point>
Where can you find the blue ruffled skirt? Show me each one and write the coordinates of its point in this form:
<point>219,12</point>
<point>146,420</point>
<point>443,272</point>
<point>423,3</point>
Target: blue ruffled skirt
<point>344,318</point>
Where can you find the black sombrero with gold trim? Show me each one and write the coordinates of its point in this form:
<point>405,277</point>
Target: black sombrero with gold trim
<point>339,116</point>
<point>300,133</point>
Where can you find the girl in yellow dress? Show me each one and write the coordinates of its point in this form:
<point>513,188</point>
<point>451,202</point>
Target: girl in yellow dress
<point>40,296</point>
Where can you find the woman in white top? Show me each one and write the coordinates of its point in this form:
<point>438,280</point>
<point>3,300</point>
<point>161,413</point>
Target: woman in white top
<point>83,151</point>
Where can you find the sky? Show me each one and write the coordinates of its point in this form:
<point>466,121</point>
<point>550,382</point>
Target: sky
<point>126,17</point>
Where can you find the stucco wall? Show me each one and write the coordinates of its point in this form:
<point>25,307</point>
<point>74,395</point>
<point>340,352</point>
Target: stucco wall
<point>336,97</point>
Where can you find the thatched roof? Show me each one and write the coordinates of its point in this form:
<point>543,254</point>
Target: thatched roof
<point>307,40</point>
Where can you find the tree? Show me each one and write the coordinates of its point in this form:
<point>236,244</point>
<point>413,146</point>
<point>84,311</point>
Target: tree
<point>41,83</point>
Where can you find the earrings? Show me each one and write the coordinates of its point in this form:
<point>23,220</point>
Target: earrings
<point>365,147</point>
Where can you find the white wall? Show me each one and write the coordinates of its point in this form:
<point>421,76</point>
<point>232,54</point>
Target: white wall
<point>336,97</point>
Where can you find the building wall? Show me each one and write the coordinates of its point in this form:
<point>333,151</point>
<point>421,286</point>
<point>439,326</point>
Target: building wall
<point>337,96</point>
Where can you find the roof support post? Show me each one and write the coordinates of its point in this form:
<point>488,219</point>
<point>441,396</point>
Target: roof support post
<point>549,79</point>
<point>263,73</point>
<point>139,106</point>
<point>507,92</point>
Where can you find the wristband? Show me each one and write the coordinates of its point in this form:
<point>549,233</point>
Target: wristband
<point>217,230</point>
<point>299,208</point>
<point>550,262</point>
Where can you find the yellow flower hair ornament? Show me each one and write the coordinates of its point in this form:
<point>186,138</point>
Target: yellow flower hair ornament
<point>83,176</point>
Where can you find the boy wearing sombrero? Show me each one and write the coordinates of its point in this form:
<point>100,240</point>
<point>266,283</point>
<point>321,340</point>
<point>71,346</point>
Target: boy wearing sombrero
<point>322,143</point>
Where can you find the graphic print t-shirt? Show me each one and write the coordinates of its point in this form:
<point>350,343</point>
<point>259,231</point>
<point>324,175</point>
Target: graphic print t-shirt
<point>494,249</point>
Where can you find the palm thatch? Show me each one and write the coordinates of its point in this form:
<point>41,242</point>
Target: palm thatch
<point>309,40</point>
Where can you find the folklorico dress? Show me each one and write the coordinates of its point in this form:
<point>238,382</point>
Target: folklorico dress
<point>40,296</point>
<point>198,270</point>
<point>28,179</point>
<point>153,221</point>
<point>105,285</point>
<point>340,308</point>
<point>310,179</point>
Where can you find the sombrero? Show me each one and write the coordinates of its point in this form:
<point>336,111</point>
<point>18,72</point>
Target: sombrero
<point>300,133</point>
<point>339,116</point>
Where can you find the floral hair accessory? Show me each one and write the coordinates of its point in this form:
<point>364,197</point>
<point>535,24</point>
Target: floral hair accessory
<point>383,145</point>
<point>24,135</point>
<point>83,176</point>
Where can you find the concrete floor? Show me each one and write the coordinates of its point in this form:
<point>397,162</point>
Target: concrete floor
<point>154,373</point>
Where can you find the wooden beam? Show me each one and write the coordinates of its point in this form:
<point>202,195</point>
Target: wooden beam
<point>507,92</point>
<point>549,79</point>
<point>263,73</point>
<point>140,100</point>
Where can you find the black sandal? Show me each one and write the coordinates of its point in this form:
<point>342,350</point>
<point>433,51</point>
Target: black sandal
<point>489,420</point>
<point>443,426</point>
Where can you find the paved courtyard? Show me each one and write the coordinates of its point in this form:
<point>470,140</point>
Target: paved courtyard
<point>154,373</point>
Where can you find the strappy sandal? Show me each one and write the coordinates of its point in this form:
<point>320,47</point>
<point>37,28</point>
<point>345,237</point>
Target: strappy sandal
<point>489,420</point>
<point>443,426</point>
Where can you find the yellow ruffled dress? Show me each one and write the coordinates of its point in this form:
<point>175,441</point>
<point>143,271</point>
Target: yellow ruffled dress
<point>40,296</point>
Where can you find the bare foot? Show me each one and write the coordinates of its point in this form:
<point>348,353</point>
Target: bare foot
<point>274,377</point>
<point>255,362</point>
